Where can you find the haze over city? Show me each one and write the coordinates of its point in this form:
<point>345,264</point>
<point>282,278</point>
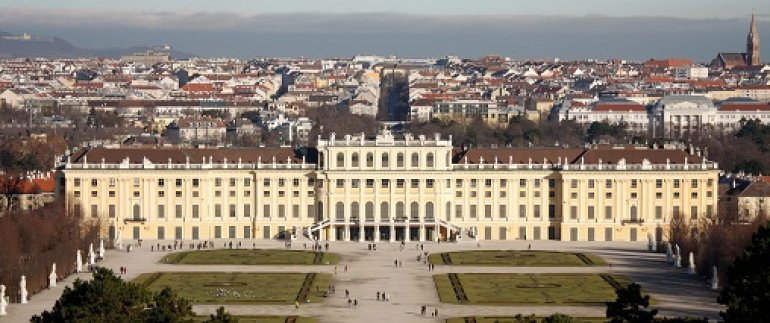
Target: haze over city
<point>564,29</point>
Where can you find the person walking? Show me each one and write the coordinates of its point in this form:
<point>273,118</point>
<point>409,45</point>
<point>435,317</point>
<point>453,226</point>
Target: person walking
<point>347,293</point>
<point>349,302</point>
<point>355,303</point>
<point>422,310</point>
<point>435,312</point>
<point>378,295</point>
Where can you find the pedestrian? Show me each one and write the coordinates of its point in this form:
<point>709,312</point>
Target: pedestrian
<point>378,295</point>
<point>335,270</point>
<point>395,263</point>
<point>347,293</point>
<point>349,302</point>
<point>346,268</point>
<point>529,247</point>
<point>355,303</point>
<point>435,312</point>
<point>422,310</point>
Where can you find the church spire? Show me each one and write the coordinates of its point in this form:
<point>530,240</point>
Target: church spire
<point>752,44</point>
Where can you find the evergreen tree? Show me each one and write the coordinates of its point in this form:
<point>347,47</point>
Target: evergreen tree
<point>630,306</point>
<point>747,290</point>
<point>222,317</point>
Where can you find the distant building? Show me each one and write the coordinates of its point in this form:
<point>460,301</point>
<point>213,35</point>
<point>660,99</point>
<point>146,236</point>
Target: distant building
<point>148,58</point>
<point>197,129</point>
<point>749,58</point>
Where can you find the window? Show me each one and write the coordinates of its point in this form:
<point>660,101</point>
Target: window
<point>111,210</point>
<point>281,211</point>
<point>196,211</point>
<point>400,183</point>
<point>591,195</point>
<point>694,195</point>
<point>658,195</point>
<point>161,211</point>
<point>340,183</point>
<point>634,183</point>
<point>677,183</point>
<point>415,160</point>
<point>608,195</point>
<point>295,193</point>
<point>266,210</point>
<point>178,193</point>
<point>246,193</point>
<point>608,183</point>
<point>217,193</point>
<point>400,160</point>
<point>608,212</point>
<point>295,182</point>
<point>522,182</point>
<point>658,212</point>
<point>281,182</point>
<point>458,183</point>
<point>551,183</point>
<point>573,195</point>
<point>429,159</point>
<point>266,182</point>
<point>178,182</point>
<point>537,183</point>
<point>295,211</point>
<point>590,212</point>
<point>710,182</point>
<point>503,211</point>
<point>369,183</point>
<point>488,183</point>
<point>112,182</point>
<point>503,183</point>
<point>136,182</point>
<point>429,183</point>
<point>474,183</point>
<point>340,160</point>
<point>536,211</point>
<point>76,182</point>
<point>94,194</point>
<point>369,160</point>
<point>161,182</point>
<point>694,183</point>
<point>573,212</point>
<point>591,183</point>
<point>94,182</point>
<point>385,183</point>
<point>415,183</point>
<point>218,210</point>
<point>573,183</point>
<point>694,212</point>
<point>458,211</point>
<point>247,182</point>
<point>196,182</point>
<point>633,195</point>
<point>503,194</point>
<point>94,211</point>
<point>217,182</point>
<point>161,193</point>
<point>354,183</point>
<point>231,210</point>
<point>385,162</point>
<point>354,160</point>
<point>522,211</point>
<point>658,183</point>
<point>136,194</point>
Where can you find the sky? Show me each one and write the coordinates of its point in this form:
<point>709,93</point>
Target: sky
<point>569,29</point>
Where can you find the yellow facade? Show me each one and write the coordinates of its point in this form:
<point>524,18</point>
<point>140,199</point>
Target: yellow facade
<point>387,189</point>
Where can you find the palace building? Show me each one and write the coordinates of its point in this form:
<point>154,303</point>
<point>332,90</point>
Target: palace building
<point>389,188</point>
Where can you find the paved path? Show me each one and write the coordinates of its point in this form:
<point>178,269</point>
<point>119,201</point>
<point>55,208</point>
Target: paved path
<point>411,286</point>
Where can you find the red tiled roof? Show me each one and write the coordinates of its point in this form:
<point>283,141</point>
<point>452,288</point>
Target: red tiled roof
<point>158,155</point>
<point>35,186</point>
<point>672,62</point>
<point>636,156</point>
<point>744,107</point>
<point>198,87</point>
<point>619,107</point>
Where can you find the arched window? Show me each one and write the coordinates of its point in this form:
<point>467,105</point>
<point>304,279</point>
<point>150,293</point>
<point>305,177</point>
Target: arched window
<point>429,160</point>
<point>400,210</point>
<point>384,211</point>
<point>137,212</point>
<point>429,210</point>
<point>414,211</point>
<point>340,160</point>
<point>415,160</point>
<point>385,161</point>
<point>369,211</point>
<point>339,209</point>
<point>369,160</point>
<point>354,210</point>
<point>400,160</point>
<point>354,160</point>
<point>321,160</point>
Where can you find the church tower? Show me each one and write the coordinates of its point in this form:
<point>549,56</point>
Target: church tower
<point>752,44</point>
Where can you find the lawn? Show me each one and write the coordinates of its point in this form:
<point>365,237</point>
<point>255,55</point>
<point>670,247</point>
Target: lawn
<point>262,319</point>
<point>239,288</point>
<point>516,258</point>
<point>499,319</point>
<point>251,257</point>
<point>528,289</point>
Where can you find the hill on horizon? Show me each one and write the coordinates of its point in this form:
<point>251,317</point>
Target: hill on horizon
<point>55,47</point>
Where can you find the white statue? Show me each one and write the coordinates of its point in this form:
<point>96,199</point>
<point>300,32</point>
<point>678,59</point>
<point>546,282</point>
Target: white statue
<point>678,257</point>
<point>118,241</point>
<point>650,243</point>
<point>79,263</point>
<point>23,289</point>
<point>714,278</point>
<point>52,277</point>
<point>669,254</point>
<point>91,255</point>
<point>691,267</point>
<point>3,301</point>
<point>101,249</point>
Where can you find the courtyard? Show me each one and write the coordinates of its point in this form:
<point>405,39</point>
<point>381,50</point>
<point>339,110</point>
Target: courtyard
<point>240,288</point>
